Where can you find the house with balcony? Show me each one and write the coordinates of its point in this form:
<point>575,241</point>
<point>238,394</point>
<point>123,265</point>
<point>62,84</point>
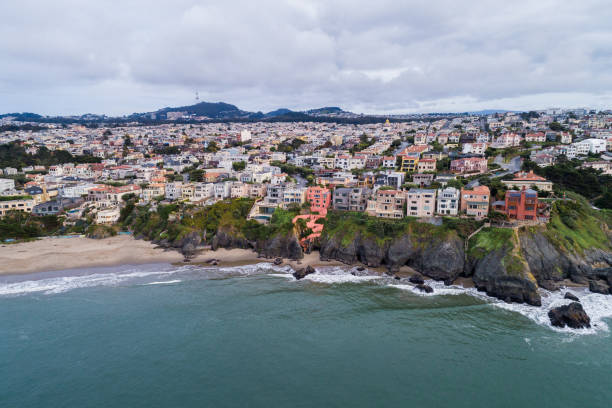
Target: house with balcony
<point>387,204</point>
<point>448,201</point>
<point>350,199</point>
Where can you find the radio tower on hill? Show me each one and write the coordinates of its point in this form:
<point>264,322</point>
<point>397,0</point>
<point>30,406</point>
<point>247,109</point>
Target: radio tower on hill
<point>197,97</point>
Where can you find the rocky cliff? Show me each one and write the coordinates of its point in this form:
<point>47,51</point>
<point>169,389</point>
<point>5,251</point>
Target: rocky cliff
<point>438,259</point>
<point>510,264</point>
<point>285,245</point>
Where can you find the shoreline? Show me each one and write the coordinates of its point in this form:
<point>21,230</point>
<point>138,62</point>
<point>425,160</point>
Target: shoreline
<point>57,254</point>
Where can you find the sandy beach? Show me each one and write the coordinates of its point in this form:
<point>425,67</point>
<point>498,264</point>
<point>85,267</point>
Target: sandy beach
<point>53,254</point>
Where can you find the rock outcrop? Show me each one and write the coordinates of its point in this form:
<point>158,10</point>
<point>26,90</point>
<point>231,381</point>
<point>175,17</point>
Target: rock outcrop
<point>303,272</point>
<point>572,315</point>
<point>494,274</point>
<point>438,259</point>
<point>278,246</point>
<point>571,296</point>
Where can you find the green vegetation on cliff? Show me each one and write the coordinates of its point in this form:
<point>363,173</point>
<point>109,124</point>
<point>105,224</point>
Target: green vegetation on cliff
<point>498,239</point>
<point>575,227</point>
<point>19,225</point>
<point>347,225</point>
<point>173,222</point>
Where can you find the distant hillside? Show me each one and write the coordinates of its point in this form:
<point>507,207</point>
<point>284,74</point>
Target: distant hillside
<point>278,112</point>
<point>218,110</point>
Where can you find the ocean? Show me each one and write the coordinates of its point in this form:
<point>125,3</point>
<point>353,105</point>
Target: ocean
<point>252,336</point>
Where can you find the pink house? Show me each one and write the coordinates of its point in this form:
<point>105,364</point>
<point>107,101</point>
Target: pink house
<point>469,165</point>
<point>319,199</point>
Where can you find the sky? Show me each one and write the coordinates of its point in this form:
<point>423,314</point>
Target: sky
<point>117,57</point>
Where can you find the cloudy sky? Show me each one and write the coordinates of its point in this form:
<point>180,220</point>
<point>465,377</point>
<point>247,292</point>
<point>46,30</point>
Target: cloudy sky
<point>124,56</point>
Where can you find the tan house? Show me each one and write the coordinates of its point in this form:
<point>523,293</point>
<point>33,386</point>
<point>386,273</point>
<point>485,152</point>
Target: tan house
<point>420,202</point>
<point>387,204</point>
<point>475,202</point>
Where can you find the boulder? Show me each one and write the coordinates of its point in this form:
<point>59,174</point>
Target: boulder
<point>302,272</point>
<point>599,286</point>
<point>360,268</point>
<point>572,315</point>
<point>417,279</point>
<point>571,296</point>
<point>425,288</point>
<point>278,261</point>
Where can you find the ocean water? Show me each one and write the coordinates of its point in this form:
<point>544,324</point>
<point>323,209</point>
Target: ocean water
<point>168,336</point>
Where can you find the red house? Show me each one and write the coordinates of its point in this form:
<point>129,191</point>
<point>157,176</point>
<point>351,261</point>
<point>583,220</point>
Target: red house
<point>522,205</point>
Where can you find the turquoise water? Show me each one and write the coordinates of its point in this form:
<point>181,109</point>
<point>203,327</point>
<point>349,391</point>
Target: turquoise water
<point>161,336</point>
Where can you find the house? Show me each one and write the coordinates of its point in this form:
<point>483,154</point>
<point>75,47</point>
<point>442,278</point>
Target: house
<point>537,137</point>
<point>388,162</point>
<point>350,199</point>
<point>521,205</point>
<point>420,202</point>
<point>602,165</point>
<point>16,203</point>
<point>422,179</point>
<point>387,204</point>
<point>469,165</point>
<point>393,179</point>
<point>108,215</point>
<point>448,201</point>
<point>474,148</point>
<point>319,198</point>
<point>410,162</point>
<point>475,202</point>
<point>528,180</point>
<point>426,165</point>
<point>7,184</point>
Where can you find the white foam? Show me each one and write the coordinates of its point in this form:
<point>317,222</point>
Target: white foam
<point>339,274</point>
<point>165,282</point>
<point>66,283</point>
<point>596,305</point>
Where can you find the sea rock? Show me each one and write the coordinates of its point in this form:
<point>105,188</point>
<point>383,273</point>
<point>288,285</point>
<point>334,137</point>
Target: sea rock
<point>425,288</point>
<point>303,272</point>
<point>417,279</point>
<point>278,261</point>
<point>360,268</point>
<point>572,315</point>
<point>599,286</point>
<point>571,296</point>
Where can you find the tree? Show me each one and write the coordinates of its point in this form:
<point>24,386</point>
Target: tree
<point>239,166</point>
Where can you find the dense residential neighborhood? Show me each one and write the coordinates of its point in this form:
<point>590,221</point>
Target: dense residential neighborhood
<point>478,166</point>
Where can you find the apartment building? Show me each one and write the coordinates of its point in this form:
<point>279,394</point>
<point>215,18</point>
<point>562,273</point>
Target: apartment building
<point>350,199</point>
<point>17,203</point>
<point>448,201</point>
<point>387,204</point>
<point>521,205</point>
<point>420,202</point>
<point>319,198</point>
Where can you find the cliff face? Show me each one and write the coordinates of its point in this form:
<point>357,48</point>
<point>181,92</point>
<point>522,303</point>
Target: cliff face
<point>507,264</point>
<point>550,263</point>
<point>281,246</point>
<point>442,260</point>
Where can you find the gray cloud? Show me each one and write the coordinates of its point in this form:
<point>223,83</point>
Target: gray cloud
<point>68,56</point>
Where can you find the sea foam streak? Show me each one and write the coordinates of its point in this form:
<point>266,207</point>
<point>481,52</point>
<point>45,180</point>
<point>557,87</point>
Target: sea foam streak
<point>597,306</point>
<point>66,283</point>
<point>62,284</point>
